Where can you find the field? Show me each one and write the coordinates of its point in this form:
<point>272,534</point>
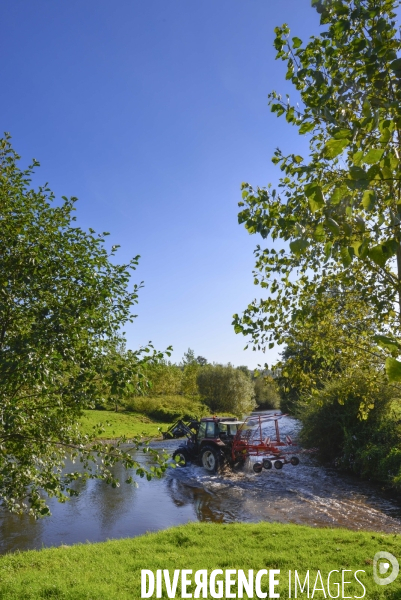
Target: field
<point>120,424</point>
<point>112,569</point>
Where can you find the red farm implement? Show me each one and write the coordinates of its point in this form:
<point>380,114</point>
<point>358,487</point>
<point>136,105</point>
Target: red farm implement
<point>217,442</point>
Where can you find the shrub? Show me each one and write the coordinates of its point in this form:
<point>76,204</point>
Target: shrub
<point>355,424</point>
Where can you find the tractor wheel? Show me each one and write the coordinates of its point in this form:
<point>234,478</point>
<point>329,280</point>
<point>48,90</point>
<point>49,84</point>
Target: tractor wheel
<point>278,464</point>
<point>267,464</point>
<point>294,460</point>
<point>182,457</point>
<point>211,459</point>
<point>257,467</point>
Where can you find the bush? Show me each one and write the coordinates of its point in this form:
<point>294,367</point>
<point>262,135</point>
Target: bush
<point>355,424</point>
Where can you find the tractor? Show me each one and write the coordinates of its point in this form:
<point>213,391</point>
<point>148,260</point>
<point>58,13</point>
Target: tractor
<point>219,442</point>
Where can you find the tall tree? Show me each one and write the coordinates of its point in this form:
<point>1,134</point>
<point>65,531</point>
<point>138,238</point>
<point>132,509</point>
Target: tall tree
<point>63,301</point>
<point>335,217</point>
<point>224,388</point>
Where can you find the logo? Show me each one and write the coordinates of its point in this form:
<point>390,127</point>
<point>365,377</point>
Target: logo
<point>381,566</point>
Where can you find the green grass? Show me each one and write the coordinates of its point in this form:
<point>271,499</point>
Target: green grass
<point>121,424</point>
<point>112,569</point>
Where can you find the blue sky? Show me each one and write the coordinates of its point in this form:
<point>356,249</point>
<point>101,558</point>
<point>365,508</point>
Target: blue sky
<point>152,114</point>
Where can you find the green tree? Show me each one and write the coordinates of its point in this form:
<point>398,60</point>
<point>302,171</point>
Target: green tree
<point>165,378</point>
<point>63,302</point>
<point>189,357</point>
<point>189,384</point>
<point>224,388</point>
<point>266,392</point>
<point>335,217</point>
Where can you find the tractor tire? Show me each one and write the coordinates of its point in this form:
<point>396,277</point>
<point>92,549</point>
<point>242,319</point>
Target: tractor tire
<point>182,456</point>
<point>294,460</point>
<point>267,464</point>
<point>211,459</point>
<point>257,467</point>
<point>278,464</point>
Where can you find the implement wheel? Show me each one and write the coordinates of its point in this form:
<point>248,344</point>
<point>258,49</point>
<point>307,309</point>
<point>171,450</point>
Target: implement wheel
<point>267,464</point>
<point>278,464</point>
<point>294,460</point>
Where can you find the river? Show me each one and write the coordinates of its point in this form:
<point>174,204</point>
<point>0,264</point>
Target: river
<point>307,494</point>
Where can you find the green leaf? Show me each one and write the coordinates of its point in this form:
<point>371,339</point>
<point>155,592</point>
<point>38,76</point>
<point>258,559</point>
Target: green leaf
<point>396,66</point>
<point>369,199</point>
<point>314,193</point>
<point>333,226</point>
<point>296,42</point>
<point>393,370</point>
<point>327,250</point>
<point>319,233</point>
<point>306,127</point>
<point>298,246</point>
<point>346,256</point>
<point>338,194</point>
<point>377,255</point>
<point>335,147</point>
<point>388,343</point>
<point>342,134</point>
<point>373,156</point>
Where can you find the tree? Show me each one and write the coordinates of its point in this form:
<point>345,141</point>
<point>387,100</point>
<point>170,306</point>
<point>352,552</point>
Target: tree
<point>201,360</point>
<point>189,384</point>
<point>63,302</point>
<point>189,357</point>
<point>266,392</point>
<point>338,213</point>
<point>224,388</point>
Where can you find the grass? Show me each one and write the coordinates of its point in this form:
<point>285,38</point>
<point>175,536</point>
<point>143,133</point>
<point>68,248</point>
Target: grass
<point>112,569</point>
<point>120,424</point>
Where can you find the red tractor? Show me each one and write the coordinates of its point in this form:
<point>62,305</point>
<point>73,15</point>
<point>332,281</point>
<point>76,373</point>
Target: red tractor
<point>217,442</point>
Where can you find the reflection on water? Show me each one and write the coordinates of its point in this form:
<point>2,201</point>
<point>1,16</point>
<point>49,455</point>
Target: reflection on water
<point>306,494</point>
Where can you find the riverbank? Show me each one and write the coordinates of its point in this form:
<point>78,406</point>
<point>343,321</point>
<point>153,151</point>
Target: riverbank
<point>117,425</point>
<point>112,569</point>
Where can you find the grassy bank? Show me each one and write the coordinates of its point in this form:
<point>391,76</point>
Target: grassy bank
<point>112,570</point>
<point>120,424</point>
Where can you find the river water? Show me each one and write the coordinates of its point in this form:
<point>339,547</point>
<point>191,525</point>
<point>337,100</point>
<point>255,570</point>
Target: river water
<point>306,494</point>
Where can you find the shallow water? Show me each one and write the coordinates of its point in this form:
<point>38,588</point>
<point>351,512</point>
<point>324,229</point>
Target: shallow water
<point>307,494</point>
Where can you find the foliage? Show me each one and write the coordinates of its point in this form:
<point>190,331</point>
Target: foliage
<point>266,392</point>
<point>165,379</point>
<point>201,360</point>
<point>112,569</point>
<point>333,333</point>
<point>224,388</point>
<point>339,211</point>
<point>189,384</point>
<point>368,446</point>
<point>189,357</point>
<point>63,302</point>
<point>167,408</point>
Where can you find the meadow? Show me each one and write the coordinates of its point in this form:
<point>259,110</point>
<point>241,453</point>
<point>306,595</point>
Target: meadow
<point>112,569</point>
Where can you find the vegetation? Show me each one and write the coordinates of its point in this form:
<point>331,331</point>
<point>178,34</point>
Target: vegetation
<point>332,275</point>
<point>338,211</point>
<point>267,394</point>
<point>369,447</point>
<point>111,425</point>
<point>62,306</point>
<point>112,569</point>
<point>226,389</point>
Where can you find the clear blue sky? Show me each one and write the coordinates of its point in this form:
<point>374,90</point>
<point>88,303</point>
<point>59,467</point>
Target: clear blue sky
<point>152,113</point>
